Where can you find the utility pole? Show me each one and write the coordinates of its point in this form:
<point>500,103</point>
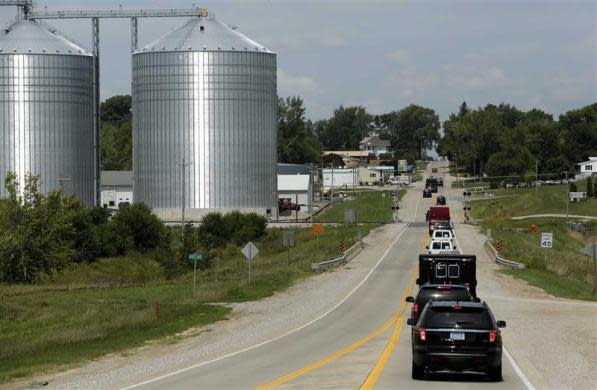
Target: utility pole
<point>567,198</point>
<point>536,175</point>
<point>184,164</point>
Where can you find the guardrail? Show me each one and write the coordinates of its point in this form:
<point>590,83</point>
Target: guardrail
<point>348,255</point>
<point>500,260</point>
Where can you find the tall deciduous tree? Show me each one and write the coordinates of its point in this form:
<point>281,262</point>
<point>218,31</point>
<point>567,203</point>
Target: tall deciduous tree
<point>346,128</point>
<point>116,133</point>
<point>296,142</point>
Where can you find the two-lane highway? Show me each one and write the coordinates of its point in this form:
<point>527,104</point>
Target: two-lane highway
<point>362,342</point>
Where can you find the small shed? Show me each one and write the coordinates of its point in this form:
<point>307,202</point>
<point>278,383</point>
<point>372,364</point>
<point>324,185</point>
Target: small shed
<point>298,188</point>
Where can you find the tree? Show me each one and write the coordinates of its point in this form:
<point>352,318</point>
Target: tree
<point>412,129</point>
<point>36,233</point>
<point>590,188</point>
<point>513,158</point>
<point>333,159</point>
<point>579,134</point>
<point>296,141</point>
<point>346,128</point>
<point>116,133</point>
<point>138,228</point>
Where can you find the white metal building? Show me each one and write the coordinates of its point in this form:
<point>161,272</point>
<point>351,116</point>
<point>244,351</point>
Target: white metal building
<point>116,188</point>
<point>298,188</point>
<point>338,177</point>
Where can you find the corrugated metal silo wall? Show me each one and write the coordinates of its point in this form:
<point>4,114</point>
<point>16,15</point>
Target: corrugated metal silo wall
<point>46,121</point>
<point>214,109</point>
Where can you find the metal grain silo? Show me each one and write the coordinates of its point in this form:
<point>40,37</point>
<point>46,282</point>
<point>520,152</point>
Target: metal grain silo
<point>46,110</point>
<point>205,94</point>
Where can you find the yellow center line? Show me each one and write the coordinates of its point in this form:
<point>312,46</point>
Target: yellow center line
<point>396,318</point>
<point>345,350</point>
<point>381,363</point>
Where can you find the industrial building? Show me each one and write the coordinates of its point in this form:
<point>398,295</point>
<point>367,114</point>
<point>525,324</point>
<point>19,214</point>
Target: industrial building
<point>116,187</point>
<point>340,177</point>
<point>46,110</point>
<point>204,103</point>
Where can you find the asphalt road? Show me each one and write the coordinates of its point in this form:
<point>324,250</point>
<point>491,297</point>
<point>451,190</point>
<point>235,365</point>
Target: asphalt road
<point>363,342</point>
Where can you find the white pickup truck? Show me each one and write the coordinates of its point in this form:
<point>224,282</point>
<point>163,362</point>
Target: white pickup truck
<point>441,246</point>
<point>443,234</point>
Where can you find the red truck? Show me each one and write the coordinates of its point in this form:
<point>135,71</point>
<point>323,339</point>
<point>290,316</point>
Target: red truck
<point>438,216</point>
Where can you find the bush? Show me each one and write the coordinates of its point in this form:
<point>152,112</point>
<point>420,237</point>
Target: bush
<point>590,188</point>
<point>216,230</point>
<point>137,225</point>
<point>573,187</point>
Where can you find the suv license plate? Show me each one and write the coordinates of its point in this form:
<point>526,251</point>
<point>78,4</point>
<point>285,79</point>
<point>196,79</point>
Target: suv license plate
<point>457,336</point>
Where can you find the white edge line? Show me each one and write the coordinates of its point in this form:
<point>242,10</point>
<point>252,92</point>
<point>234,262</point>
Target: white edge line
<point>515,366</point>
<point>518,370</point>
<point>289,332</point>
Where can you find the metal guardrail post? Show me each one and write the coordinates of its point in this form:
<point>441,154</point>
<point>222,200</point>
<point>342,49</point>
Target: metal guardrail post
<point>500,260</point>
<point>345,258</point>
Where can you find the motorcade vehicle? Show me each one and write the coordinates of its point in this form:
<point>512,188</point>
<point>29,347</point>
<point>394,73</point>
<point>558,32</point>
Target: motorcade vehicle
<point>457,336</point>
<point>443,234</point>
<point>426,193</point>
<point>437,292</point>
<point>437,215</point>
<point>441,200</point>
<point>286,204</point>
<point>448,269</point>
<point>440,182</point>
<point>441,246</point>
<point>434,170</point>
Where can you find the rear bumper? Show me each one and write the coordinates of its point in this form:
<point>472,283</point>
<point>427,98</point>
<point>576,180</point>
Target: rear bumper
<point>451,361</point>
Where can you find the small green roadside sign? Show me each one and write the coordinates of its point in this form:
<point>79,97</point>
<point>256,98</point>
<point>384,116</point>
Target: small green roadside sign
<point>195,257</point>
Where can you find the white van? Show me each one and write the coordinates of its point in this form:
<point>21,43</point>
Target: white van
<point>443,234</point>
<point>443,246</point>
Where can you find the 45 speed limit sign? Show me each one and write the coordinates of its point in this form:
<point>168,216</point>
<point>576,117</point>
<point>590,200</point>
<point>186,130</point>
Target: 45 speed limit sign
<point>546,240</point>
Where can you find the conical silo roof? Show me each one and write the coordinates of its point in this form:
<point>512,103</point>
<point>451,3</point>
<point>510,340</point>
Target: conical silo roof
<point>204,34</point>
<point>30,37</point>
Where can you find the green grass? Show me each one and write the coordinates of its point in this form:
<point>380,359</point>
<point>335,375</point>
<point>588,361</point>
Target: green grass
<point>107,306</point>
<point>546,200</point>
<point>555,285</point>
<point>562,270</point>
<point>371,207</point>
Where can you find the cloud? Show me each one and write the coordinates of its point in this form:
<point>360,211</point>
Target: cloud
<point>332,40</point>
<point>475,72</point>
<point>291,85</point>
<point>400,56</point>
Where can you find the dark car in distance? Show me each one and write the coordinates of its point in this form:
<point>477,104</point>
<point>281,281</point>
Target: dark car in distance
<point>437,292</point>
<point>441,200</point>
<point>427,193</point>
<point>457,336</point>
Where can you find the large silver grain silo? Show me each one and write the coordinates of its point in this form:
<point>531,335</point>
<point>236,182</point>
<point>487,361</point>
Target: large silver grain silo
<point>206,95</point>
<point>46,110</point>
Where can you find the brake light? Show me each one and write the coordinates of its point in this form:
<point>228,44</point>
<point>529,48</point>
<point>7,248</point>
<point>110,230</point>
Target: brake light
<point>421,334</point>
<point>457,307</point>
<point>444,288</point>
<point>492,336</point>
<point>416,311</point>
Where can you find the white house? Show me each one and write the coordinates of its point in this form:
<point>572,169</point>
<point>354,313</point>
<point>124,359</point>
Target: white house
<point>588,168</point>
<point>375,145</point>
<point>375,174</point>
<point>116,188</point>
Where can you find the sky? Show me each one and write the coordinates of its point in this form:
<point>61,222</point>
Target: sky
<point>384,54</point>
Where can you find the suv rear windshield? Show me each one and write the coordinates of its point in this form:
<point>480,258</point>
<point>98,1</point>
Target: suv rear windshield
<point>452,294</point>
<point>466,318</point>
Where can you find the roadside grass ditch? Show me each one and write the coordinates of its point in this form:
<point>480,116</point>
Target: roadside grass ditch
<point>94,308</point>
<point>562,270</point>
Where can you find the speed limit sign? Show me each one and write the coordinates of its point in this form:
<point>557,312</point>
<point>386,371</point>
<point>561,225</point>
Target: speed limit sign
<point>546,240</point>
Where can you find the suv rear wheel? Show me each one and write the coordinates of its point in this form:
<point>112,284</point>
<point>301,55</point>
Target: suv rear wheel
<point>418,372</point>
<point>495,373</point>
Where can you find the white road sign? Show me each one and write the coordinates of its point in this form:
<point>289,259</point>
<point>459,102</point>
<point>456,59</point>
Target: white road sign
<point>546,240</point>
<point>250,251</point>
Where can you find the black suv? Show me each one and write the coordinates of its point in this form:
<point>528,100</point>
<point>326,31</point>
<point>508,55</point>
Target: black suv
<point>427,193</point>
<point>437,292</point>
<point>457,336</point>
<point>441,200</point>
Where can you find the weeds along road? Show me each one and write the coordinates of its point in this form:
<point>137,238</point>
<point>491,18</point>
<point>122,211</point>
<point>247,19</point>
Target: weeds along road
<point>363,342</point>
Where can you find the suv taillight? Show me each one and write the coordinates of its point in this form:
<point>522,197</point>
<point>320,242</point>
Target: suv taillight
<point>492,336</point>
<point>421,334</point>
<point>416,311</point>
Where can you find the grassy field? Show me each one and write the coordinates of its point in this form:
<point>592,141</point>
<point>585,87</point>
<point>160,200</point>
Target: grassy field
<point>563,270</point>
<point>546,200</point>
<point>108,306</point>
<point>371,207</point>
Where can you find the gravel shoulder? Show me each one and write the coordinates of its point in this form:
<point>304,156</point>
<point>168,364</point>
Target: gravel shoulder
<point>249,324</point>
<point>553,340</point>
